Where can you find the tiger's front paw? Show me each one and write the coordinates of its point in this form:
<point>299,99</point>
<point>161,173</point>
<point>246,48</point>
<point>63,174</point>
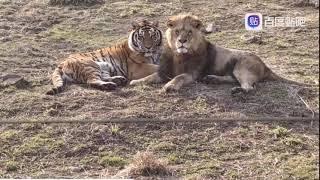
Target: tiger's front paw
<point>170,87</point>
<point>54,91</point>
<point>109,86</point>
<point>119,80</point>
<point>106,86</point>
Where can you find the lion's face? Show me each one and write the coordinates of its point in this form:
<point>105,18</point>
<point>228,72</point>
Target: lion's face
<point>183,34</point>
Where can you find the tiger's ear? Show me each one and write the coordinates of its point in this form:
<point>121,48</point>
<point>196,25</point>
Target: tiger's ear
<point>155,23</point>
<point>135,25</point>
<point>196,23</point>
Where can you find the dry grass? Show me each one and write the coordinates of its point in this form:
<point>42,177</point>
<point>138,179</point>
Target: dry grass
<point>34,36</point>
<point>301,3</point>
<point>209,150</point>
<point>147,164</point>
<point>75,2</point>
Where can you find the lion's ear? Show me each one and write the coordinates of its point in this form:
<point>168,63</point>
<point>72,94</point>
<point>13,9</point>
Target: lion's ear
<point>196,23</point>
<point>170,23</point>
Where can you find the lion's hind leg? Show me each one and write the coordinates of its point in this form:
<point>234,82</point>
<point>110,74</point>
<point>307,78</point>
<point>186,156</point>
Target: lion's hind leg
<point>247,81</point>
<point>249,70</point>
<point>214,79</point>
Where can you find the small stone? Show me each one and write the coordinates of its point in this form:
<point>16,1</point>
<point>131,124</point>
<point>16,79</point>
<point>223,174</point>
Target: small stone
<point>52,112</point>
<point>13,80</point>
<point>299,30</point>
<point>210,29</point>
<point>255,39</point>
<point>76,169</point>
<point>6,39</point>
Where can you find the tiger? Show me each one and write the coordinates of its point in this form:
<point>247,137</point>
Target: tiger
<point>112,67</point>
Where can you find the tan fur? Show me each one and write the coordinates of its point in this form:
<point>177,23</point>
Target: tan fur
<point>200,58</point>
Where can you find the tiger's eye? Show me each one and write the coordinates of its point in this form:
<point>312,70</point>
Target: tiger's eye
<point>177,32</point>
<point>189,33</point>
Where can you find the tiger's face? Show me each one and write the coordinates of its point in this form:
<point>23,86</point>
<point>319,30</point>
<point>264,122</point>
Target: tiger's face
<point>145,38</point>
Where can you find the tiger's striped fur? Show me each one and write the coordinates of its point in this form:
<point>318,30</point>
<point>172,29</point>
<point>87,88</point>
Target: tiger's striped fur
<point>110,67</point>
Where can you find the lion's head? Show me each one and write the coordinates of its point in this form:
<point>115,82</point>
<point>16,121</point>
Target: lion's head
<point>184,34</point>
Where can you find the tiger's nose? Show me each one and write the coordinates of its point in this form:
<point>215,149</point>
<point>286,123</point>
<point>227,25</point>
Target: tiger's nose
<point>148,46</point>
<point>182,40</point>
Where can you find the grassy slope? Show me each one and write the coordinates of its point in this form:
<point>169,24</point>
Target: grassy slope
<point>216,150</point>
<point>36,36</point>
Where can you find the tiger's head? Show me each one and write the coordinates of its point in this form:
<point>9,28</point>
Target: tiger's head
<point>145,38</point>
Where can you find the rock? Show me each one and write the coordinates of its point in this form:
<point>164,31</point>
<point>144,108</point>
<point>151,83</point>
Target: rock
<point>210,29</point>
<point>13,80</point>
<point>76,169</point>
<point>299,30</point>
<point>6,39</point>
<point>256,39</point>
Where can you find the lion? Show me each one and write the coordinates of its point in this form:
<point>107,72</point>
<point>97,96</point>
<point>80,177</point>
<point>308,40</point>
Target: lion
<point>188,56</point>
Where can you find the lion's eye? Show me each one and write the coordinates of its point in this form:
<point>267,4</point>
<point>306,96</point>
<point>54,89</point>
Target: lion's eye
<point>189,33</point>
<point>177,32</point>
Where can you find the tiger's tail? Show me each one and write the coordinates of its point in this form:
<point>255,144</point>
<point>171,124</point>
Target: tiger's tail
<point>57,81</point>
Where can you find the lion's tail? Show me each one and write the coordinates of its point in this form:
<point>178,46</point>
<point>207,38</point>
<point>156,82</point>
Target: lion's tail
<point>271,76</point>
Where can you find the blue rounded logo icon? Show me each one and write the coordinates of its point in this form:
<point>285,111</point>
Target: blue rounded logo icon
<point>253,21</point>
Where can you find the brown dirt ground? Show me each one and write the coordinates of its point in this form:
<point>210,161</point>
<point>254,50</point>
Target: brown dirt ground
<point>34,36</point>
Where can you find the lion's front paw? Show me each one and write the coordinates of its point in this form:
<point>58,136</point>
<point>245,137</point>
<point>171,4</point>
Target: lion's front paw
<point>135,82</point>
<point>211,79</point>
<point>169,87</point>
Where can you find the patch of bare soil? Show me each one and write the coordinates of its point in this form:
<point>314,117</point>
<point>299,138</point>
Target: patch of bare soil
<point>34,36</point>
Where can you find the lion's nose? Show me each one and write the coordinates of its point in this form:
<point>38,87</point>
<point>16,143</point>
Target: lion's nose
<point>182,40</point>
